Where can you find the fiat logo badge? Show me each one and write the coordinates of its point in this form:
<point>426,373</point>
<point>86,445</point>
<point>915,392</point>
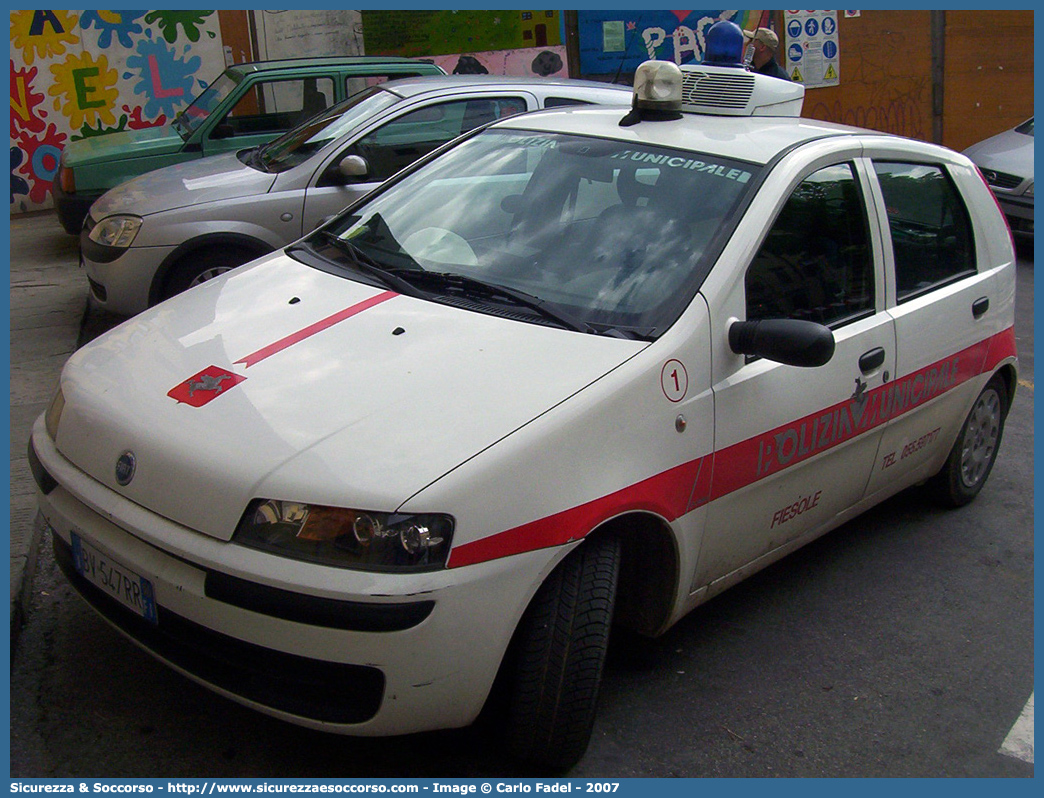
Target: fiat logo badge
<point>125,468</point>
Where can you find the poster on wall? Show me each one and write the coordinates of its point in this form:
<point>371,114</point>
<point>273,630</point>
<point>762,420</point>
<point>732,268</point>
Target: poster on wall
<point>291,34</point>
<point>616,42</point>
<point>472,42</point>
<point>812,54</point>
<point>76,74</point>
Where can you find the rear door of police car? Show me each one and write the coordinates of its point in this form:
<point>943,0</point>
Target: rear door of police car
<point>946,299</point>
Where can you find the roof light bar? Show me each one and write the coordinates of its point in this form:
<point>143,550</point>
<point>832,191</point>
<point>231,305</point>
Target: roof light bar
<point>662,90</point>
<point>658,86</point>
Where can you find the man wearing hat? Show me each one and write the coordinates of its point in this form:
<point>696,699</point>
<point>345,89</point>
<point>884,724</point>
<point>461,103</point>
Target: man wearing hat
<point>765,44</point>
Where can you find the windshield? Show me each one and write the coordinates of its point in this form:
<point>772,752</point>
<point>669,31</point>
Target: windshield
<point>302,142</point>
<point>606,232</point>
<point>189,120</point>
<point>1026,127</point>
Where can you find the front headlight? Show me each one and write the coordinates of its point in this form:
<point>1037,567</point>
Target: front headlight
<point>116,231</point>
<point>346,538</point>
<point>1029,191</point>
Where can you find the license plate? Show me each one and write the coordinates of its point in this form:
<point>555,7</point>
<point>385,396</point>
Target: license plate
<point>132,591</point>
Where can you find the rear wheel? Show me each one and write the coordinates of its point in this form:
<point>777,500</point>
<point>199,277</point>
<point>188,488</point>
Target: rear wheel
<point>559,655</point>
<point>202,265</point>
<point>975,450</point>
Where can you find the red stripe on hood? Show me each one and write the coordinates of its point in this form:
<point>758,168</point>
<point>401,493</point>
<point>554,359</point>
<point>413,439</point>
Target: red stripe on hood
<point>312,329</point>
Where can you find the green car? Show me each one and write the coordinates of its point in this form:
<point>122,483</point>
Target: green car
<point>249,104</point>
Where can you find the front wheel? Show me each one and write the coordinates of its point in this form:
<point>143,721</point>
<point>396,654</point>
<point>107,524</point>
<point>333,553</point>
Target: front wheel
<point>975,450</point>
<point>560,652</point>
<point>202,265</point>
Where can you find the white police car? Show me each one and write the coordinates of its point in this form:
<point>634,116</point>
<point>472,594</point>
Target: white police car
<point>578,369</point>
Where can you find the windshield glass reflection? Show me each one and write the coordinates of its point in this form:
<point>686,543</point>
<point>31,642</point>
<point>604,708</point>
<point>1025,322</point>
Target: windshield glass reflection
<point>608,232</point>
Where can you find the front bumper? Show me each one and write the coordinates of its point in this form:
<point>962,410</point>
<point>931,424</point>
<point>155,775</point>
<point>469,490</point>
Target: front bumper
<point>409,653</point>
<point>324,691</point>
<point>72,209</point>
<point>121,279</point>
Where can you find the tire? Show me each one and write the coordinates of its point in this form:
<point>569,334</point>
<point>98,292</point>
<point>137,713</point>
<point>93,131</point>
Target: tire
<point>559,654</point>
<point>204,264</point>
<point>974,452</point>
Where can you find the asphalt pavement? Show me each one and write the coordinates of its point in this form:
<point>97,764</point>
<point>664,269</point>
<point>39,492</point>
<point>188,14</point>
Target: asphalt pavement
<point>49,301</point>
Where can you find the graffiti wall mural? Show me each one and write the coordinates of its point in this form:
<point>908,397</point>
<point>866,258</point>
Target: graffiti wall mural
<point>616,42</point>
<point>76,74</point>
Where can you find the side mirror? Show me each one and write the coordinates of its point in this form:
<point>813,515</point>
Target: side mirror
<point>352,167</point>
<point>792,342</point>
<point>223,131</point>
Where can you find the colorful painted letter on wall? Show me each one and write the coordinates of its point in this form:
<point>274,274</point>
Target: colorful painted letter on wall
<point>76,74</point>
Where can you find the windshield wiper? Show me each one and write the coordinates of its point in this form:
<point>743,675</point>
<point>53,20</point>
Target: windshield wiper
<point>423,283</point>
<point>630,333</point>
<point>472,288</point>
<point>367,265</point>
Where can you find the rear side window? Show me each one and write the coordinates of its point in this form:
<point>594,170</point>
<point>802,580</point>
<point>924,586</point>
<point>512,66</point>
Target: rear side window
<point>353,84</point>
<point>815,263</point>
<point>930,227</point>
<point>559,102</point>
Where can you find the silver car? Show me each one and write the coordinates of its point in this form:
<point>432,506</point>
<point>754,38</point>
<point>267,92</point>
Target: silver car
<point>1006,161</point>
<point>158,234</point>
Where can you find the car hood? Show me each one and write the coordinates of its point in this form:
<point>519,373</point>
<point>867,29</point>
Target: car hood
<point>1008,152</point>
<point>147,142</point>
<point>219,177</point>
<point>281,381</point>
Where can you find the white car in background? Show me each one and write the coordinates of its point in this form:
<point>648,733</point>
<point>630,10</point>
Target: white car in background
<point>1006,161</point>
<point>158,234</point>
<point>585,367</point>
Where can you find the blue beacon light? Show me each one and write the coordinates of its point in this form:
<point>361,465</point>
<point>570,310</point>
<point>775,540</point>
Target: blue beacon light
<point>724,45</point>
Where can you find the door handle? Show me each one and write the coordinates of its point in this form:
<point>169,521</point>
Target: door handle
<point>871,360</point>
<point>980,306</point>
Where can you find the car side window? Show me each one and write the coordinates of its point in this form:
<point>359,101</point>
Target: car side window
<point>402,141</point>
<point>276,105</point>
<point>931,232</point>
<point>356,83</point>
<point>561,102</point>
<point>816,262</point>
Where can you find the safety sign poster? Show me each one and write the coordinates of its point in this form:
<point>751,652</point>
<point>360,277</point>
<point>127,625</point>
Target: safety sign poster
<point>812,56</point>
